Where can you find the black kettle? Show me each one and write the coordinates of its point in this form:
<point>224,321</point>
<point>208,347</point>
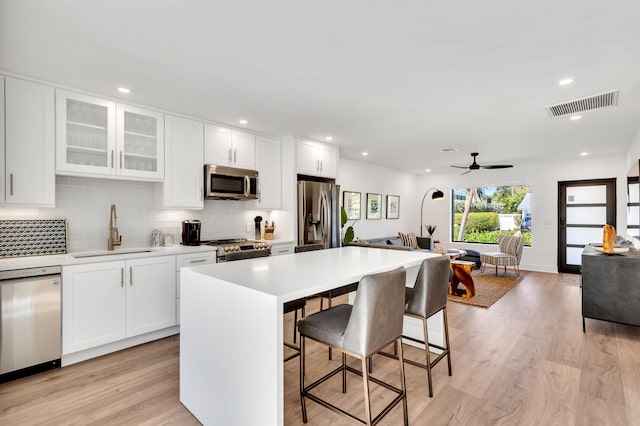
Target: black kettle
<point>191,232</point>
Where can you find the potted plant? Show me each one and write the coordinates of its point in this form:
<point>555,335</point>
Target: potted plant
<point>430,229</point>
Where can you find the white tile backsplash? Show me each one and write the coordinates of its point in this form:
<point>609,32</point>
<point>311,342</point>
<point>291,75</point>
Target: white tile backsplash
<point>86,202</point>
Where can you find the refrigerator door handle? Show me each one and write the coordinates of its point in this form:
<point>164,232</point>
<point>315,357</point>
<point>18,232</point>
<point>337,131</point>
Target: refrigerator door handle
<point>326,237</point>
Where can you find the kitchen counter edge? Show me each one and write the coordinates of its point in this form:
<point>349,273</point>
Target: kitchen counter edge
<point>68,259</point>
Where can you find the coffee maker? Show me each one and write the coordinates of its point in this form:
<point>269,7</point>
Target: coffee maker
<point>190,232</point>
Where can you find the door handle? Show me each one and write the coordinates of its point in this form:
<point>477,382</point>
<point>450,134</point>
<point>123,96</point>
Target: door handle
<point>130,276</point>
<point>235,157</point>
<point>11,184</point>
<point>121,277</point>
<point>247,184</point>
<point>112,158</point>
<point>121,159</point>
<point>320,165</point>
<point>229,155</point>
<point>198,261</point>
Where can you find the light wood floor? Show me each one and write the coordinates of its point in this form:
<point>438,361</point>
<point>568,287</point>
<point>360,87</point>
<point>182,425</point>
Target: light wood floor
<point>523,361</point>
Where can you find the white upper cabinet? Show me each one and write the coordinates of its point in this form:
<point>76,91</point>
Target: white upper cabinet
<point>317,159</point>
<point>100,138</point>
<point>227,147</point>
<point>269,162</point>
<point>140,143</point>
<point>29,144</point>
<point>244,150</point>
<point>184,161</point>
<point>85,135</point>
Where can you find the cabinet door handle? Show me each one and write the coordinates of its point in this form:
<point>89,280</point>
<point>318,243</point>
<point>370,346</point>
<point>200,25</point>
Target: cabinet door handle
<point>235,157</point>
<point>198,261</point>
<point>229,155</point>
<point>121,277</point>
<point>131,276</point>
<point>11,184</point>
<point>320,165</point>
<point>201,194</point>
<point>121,159</point>
<point>112,164</point>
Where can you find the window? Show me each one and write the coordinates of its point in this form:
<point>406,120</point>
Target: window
<point>481,215</point>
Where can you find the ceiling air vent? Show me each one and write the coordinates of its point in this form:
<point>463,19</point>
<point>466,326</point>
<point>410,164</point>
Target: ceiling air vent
<point>585,104</point>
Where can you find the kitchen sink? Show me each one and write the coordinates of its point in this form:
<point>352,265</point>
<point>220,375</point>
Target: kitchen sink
<point>108,253</point>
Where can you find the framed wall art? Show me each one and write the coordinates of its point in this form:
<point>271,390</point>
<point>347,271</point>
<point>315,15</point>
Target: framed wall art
<point>393,206</point>
<point>374,205</point>
<point>351,201</point>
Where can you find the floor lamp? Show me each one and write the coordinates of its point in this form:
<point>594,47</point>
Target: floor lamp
<point>437,195</point>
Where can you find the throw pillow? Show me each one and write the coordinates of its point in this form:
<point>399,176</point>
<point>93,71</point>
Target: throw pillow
<point>408,240</point>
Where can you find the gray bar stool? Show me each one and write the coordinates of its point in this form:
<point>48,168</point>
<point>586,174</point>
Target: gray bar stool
<point>425,299</point>
<point>374,321</point>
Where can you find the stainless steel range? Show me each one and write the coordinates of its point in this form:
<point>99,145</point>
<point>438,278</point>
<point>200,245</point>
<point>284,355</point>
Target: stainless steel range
<point>238,249</point>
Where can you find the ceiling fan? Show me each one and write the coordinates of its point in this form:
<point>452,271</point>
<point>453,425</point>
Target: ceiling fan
<point>475,166</point>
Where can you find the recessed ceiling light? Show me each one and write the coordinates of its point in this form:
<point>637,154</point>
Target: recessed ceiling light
<point>575,117</point>
<point>584,154</point>
<point>242,121</point>
<point>123,90</point>
<point>365,153</point>
<point>427,170</point>
<point>328,138</point>
<point>565,81</point>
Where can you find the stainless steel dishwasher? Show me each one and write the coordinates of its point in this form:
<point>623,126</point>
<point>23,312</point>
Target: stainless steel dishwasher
<point>30,321</point>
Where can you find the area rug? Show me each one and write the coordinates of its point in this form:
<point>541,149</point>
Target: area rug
<point>489,288</point>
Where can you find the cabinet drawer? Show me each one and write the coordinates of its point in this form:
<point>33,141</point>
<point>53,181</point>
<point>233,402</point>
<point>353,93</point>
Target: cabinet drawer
<point>195,259</point>
<point>280,249</point>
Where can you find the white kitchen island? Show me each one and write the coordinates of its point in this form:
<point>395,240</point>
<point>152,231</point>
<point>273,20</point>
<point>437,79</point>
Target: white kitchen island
<point>231,337</point>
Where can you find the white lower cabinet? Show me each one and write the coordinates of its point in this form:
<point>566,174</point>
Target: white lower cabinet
<point>110,301</point>
<point>185,260</point>
<point>93,305</point>
<point>151,294</point>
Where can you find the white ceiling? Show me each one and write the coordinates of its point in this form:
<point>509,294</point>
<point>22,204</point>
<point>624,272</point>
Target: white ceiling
<point>398,79</point>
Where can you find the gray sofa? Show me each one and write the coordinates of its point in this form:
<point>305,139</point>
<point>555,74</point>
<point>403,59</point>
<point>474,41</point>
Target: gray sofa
<point>394,243</point>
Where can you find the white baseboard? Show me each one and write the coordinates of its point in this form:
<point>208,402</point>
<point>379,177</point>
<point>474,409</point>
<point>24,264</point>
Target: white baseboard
<point>80,356</point>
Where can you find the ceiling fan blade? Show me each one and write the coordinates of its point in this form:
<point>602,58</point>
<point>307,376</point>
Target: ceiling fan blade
<point>497,166</point>
<point>464,173</point>
<point>461,167</point>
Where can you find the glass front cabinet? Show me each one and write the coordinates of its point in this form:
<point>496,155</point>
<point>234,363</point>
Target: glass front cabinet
<point>96,137</point>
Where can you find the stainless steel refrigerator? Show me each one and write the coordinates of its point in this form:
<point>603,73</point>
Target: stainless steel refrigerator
<point>319,213</point>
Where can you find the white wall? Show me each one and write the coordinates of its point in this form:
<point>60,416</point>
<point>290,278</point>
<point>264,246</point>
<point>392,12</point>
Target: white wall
<point>543,179</point>
<point>363,177</point>
<point>633,153</point>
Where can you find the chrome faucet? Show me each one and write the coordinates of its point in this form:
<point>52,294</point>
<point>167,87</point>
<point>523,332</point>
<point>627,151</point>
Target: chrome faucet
<point>115,239</point>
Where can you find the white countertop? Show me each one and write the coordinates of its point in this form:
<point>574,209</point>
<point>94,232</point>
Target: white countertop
<point>292,276</point>
<point>125,254</point>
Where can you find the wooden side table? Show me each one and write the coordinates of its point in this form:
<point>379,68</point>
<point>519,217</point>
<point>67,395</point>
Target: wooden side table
<point>461,274</point>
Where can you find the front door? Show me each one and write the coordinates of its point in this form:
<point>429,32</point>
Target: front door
<point>584,207</point>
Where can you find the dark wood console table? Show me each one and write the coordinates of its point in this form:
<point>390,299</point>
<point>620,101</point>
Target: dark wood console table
<point>611,286</point>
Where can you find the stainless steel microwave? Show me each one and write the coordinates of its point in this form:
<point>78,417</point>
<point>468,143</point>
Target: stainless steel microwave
<point>229,183</point>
